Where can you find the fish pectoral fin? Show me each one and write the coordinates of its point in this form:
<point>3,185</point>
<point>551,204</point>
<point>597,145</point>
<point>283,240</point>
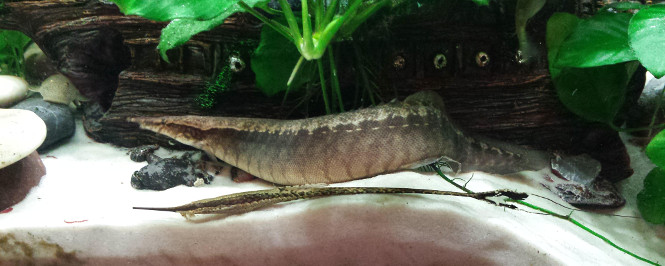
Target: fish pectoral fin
<point>439,162</point>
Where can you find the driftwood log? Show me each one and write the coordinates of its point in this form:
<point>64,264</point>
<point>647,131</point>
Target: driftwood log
<point>113,60</point>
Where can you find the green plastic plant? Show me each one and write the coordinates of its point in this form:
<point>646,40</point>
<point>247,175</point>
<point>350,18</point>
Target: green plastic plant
<point>12,47</point>
<point>565,217</point>
<point>605,49</point>
<point>591,62</point>
<point>331,21</point>
<point>311,32</point>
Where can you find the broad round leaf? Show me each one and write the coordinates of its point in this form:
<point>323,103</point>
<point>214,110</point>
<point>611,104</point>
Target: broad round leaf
<point>595,93</point>
<point>559,27</point>
<point>179,31</point>
<point>647,38</point>
<point>656,149</point>
<point>165,10</point>
<point>274,60</point>
<point>622,6</point>
<point>651,200</point>
<point>597,41</point>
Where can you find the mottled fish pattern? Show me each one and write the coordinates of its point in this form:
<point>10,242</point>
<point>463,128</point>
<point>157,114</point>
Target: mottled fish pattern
<point>347,146</point>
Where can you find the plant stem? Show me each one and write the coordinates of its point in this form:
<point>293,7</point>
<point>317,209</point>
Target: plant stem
<point>334,80</point>
<point>324,93</point>
<point>438,171</point>
<point>307,41</point>
<point>318,14</point>
<point>361,17</point>
<point>294,72</point>
<point>330,12</point>
<point>580,225</point>
<point>290,19</point>
<point>560,216</point>
<point>284,31</point>
<point>328,33</point>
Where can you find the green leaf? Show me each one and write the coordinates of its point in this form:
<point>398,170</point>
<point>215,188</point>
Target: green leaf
<point>273,61</point>
<point>481,2</point>
<point>651,200</point>
<point>12,44</point>
<point>559,27</point>
<point>179,31</point>
<point>595,93</point>
<point>189,17</point>
<point>597,41</point>
<point>165,10</point>
<point>622,6</point>
<point>365,12</point>
<point>656,149</point>
<point>647,38</point>
<point>14,38</point>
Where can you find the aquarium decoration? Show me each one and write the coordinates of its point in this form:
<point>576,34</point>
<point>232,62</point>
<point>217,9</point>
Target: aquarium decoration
<point>20,166</point>
<point>595,62</point>
<point>331,21</point>
<point>591,61</point>
<point>165,173</point>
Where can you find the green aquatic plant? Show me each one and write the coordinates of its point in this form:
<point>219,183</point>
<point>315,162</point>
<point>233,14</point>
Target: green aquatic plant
<point>591,62</point>
<point>567,217</point>
<point>651,200</point>
<point>12,48</point>
<point>331,21</point>
<point>311,32</point>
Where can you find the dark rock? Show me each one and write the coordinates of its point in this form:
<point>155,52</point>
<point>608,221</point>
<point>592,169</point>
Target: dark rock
<point>140,153</point>
<point>17,179</point>
<point>58,118</point>
<point>167,173</point>
<point>162,174</point>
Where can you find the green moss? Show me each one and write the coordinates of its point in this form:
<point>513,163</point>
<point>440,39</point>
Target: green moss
<point>209,98</point>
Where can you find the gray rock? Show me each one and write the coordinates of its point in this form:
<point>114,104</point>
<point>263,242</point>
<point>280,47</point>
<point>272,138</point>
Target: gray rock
<point>58,118</point>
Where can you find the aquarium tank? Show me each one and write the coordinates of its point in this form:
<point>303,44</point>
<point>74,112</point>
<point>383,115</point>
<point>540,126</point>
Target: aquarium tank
<point>329,132</point>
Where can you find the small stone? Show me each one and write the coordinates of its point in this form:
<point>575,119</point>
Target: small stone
<point>12,90</point>
<point>162,174</point>
<point>20,166</point>
<point>140,153</point>
<point>58,118</point>
<point>21,133</point>
<point>17,179</point>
